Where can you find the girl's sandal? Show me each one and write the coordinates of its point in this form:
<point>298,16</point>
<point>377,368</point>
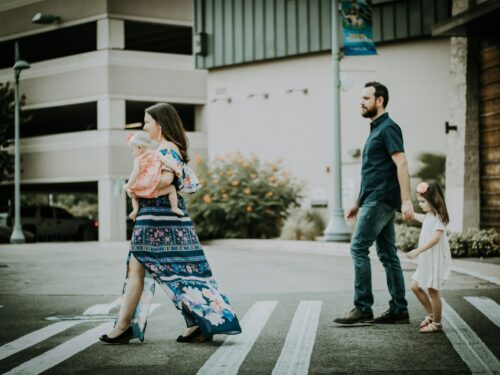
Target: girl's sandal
<point>432,328</point>
<point>426,321</point>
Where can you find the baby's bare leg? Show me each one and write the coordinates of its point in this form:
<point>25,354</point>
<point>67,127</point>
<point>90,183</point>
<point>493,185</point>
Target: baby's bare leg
<point>166,180</point>
<point>135,208</point>
<point>172,198</point>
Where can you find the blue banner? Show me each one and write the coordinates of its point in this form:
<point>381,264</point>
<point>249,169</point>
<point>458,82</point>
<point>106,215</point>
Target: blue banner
<point>357,27</point>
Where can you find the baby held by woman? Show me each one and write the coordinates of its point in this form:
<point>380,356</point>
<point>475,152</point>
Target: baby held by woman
<point>152,175</point>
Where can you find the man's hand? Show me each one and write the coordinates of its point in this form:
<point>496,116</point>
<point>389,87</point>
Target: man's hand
<point>412,254</point>
<point>351,213</point>
<point>407,210</point>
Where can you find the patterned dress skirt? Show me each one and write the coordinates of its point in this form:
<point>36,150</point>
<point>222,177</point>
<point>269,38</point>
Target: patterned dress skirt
<point>168,248</point>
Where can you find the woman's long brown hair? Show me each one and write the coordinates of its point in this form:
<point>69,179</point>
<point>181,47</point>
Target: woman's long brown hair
<point>435,196</point>
<point>171,126</point>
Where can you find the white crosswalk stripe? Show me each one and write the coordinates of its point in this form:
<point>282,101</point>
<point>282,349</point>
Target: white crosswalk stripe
<point>229,357</point>
<point>44,333</point>
<point>62,352</point>
<point>488,307</point>
<point>467,344</point>
<point>296,354</point>
<point>102,309</point>
<point>35,337</point>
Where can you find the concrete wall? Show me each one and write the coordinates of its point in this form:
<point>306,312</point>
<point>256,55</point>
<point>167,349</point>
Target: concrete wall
<point>297,127</point>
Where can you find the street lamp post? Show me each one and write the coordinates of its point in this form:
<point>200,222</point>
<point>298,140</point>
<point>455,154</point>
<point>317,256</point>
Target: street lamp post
<point>337,227</point>
<point>17,235</point>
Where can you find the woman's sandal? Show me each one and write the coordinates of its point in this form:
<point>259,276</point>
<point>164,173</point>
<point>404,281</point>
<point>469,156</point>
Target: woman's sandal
<point>432,328</point>
<point>426,321</point>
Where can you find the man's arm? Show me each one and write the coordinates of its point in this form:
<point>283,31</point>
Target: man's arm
<point>399,158</point>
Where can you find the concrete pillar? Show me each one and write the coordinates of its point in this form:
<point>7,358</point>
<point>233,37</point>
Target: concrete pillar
<point>110,34</point>
<point>462,159</point>
<point>112,200</point>
<point>112,210</point>
<point>110,114</point>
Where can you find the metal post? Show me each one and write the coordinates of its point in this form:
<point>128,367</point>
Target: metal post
<point>337,228</point>
<point>17,235</point>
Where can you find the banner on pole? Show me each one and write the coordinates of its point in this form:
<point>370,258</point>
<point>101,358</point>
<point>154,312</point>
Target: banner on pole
<point>357,27</point>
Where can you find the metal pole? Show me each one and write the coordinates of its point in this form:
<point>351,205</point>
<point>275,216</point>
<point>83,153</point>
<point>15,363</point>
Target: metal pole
<point>17,235</point>
<point>337,228</point>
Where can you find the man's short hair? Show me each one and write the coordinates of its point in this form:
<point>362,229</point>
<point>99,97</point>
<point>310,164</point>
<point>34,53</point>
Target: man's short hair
<point>380,91</point>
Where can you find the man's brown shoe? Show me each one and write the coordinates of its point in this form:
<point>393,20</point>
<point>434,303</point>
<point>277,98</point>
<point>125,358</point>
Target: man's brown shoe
<point>355,316</point>
<point>390,317</point>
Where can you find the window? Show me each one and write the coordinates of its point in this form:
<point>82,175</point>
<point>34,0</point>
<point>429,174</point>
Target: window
<point>151,37</point>
<point>27,211</point>
<point>55,120</point>
<point>62,42</point>
<point>62,213</point>
<point>46,212</point>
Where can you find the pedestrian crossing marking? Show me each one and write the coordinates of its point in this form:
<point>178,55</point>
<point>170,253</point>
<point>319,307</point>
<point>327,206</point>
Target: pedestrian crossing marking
<point>488,307</point>
<point>62,352</point>
<point>296,354</point>
<point>103,308</point>
<point>35,337</point>
<point>467,344</point>
<point>231,354</point>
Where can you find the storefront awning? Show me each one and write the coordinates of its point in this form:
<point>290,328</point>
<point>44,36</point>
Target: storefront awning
<point>481,21</point>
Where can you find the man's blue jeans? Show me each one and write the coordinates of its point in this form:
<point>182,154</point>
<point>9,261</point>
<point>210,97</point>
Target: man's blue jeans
<point>376,224</point>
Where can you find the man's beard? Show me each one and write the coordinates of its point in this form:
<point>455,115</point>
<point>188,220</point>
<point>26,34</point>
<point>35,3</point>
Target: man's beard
<point>369,113</point>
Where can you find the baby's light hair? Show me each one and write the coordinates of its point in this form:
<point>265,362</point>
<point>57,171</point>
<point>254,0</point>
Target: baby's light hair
<point>140,138</point>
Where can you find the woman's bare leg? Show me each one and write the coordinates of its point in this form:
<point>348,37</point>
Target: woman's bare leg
<point>131,297</point>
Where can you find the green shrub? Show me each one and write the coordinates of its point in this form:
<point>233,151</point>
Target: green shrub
<point>406,237</point>
<point>242,198</point>
<point>302,225</point>
<point>473,243</point>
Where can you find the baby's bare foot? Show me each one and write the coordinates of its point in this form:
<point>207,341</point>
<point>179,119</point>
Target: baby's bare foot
<point>133,215</point>
<point>177,211</point>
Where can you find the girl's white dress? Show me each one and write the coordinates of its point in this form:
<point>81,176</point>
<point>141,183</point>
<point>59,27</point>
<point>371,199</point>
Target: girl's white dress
<point>434,265</point>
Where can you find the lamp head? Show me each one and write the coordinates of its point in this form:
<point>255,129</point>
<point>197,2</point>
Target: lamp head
<point>21,65</point>
<point>45,19</point>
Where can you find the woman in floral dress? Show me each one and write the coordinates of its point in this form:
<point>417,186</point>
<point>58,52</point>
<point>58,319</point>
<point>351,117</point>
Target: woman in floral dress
<point>165,248</point>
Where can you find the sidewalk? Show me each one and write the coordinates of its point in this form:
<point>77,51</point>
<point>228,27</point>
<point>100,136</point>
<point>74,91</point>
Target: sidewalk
<point>487,269</point>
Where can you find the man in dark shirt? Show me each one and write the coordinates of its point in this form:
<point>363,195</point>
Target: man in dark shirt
<point>385,188</point>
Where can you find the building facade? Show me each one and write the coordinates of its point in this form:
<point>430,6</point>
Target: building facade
<point>272,59</point>
<point>92,73</point>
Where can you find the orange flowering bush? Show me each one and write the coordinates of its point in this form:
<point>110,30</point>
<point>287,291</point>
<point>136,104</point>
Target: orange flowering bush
<point>242,198</point>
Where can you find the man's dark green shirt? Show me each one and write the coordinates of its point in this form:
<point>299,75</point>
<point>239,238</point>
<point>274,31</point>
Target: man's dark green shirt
<point>379,175</point>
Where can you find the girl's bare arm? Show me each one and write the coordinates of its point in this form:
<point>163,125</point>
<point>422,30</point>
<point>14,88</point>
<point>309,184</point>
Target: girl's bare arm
<point>170,163</point>
<point>419,217</point>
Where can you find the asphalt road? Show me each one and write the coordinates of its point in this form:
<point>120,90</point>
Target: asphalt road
<point>286,302</point>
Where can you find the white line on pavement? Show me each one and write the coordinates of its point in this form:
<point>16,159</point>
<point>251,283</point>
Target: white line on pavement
<point>467,344</point>
<point>34,338</point>
<point>103,308</point>
<point>296,354</point>
<point>62,352</point>
<point>229,357</point>
<point>488,307</point>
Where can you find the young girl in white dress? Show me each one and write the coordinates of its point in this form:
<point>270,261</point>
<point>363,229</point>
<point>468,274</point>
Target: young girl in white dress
<point>433,252</point>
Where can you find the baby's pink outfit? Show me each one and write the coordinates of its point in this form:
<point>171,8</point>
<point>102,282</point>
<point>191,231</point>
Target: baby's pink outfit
<point>148,180</point>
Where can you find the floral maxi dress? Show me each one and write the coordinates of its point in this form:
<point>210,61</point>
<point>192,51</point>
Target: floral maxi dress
<point>170,251</point>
